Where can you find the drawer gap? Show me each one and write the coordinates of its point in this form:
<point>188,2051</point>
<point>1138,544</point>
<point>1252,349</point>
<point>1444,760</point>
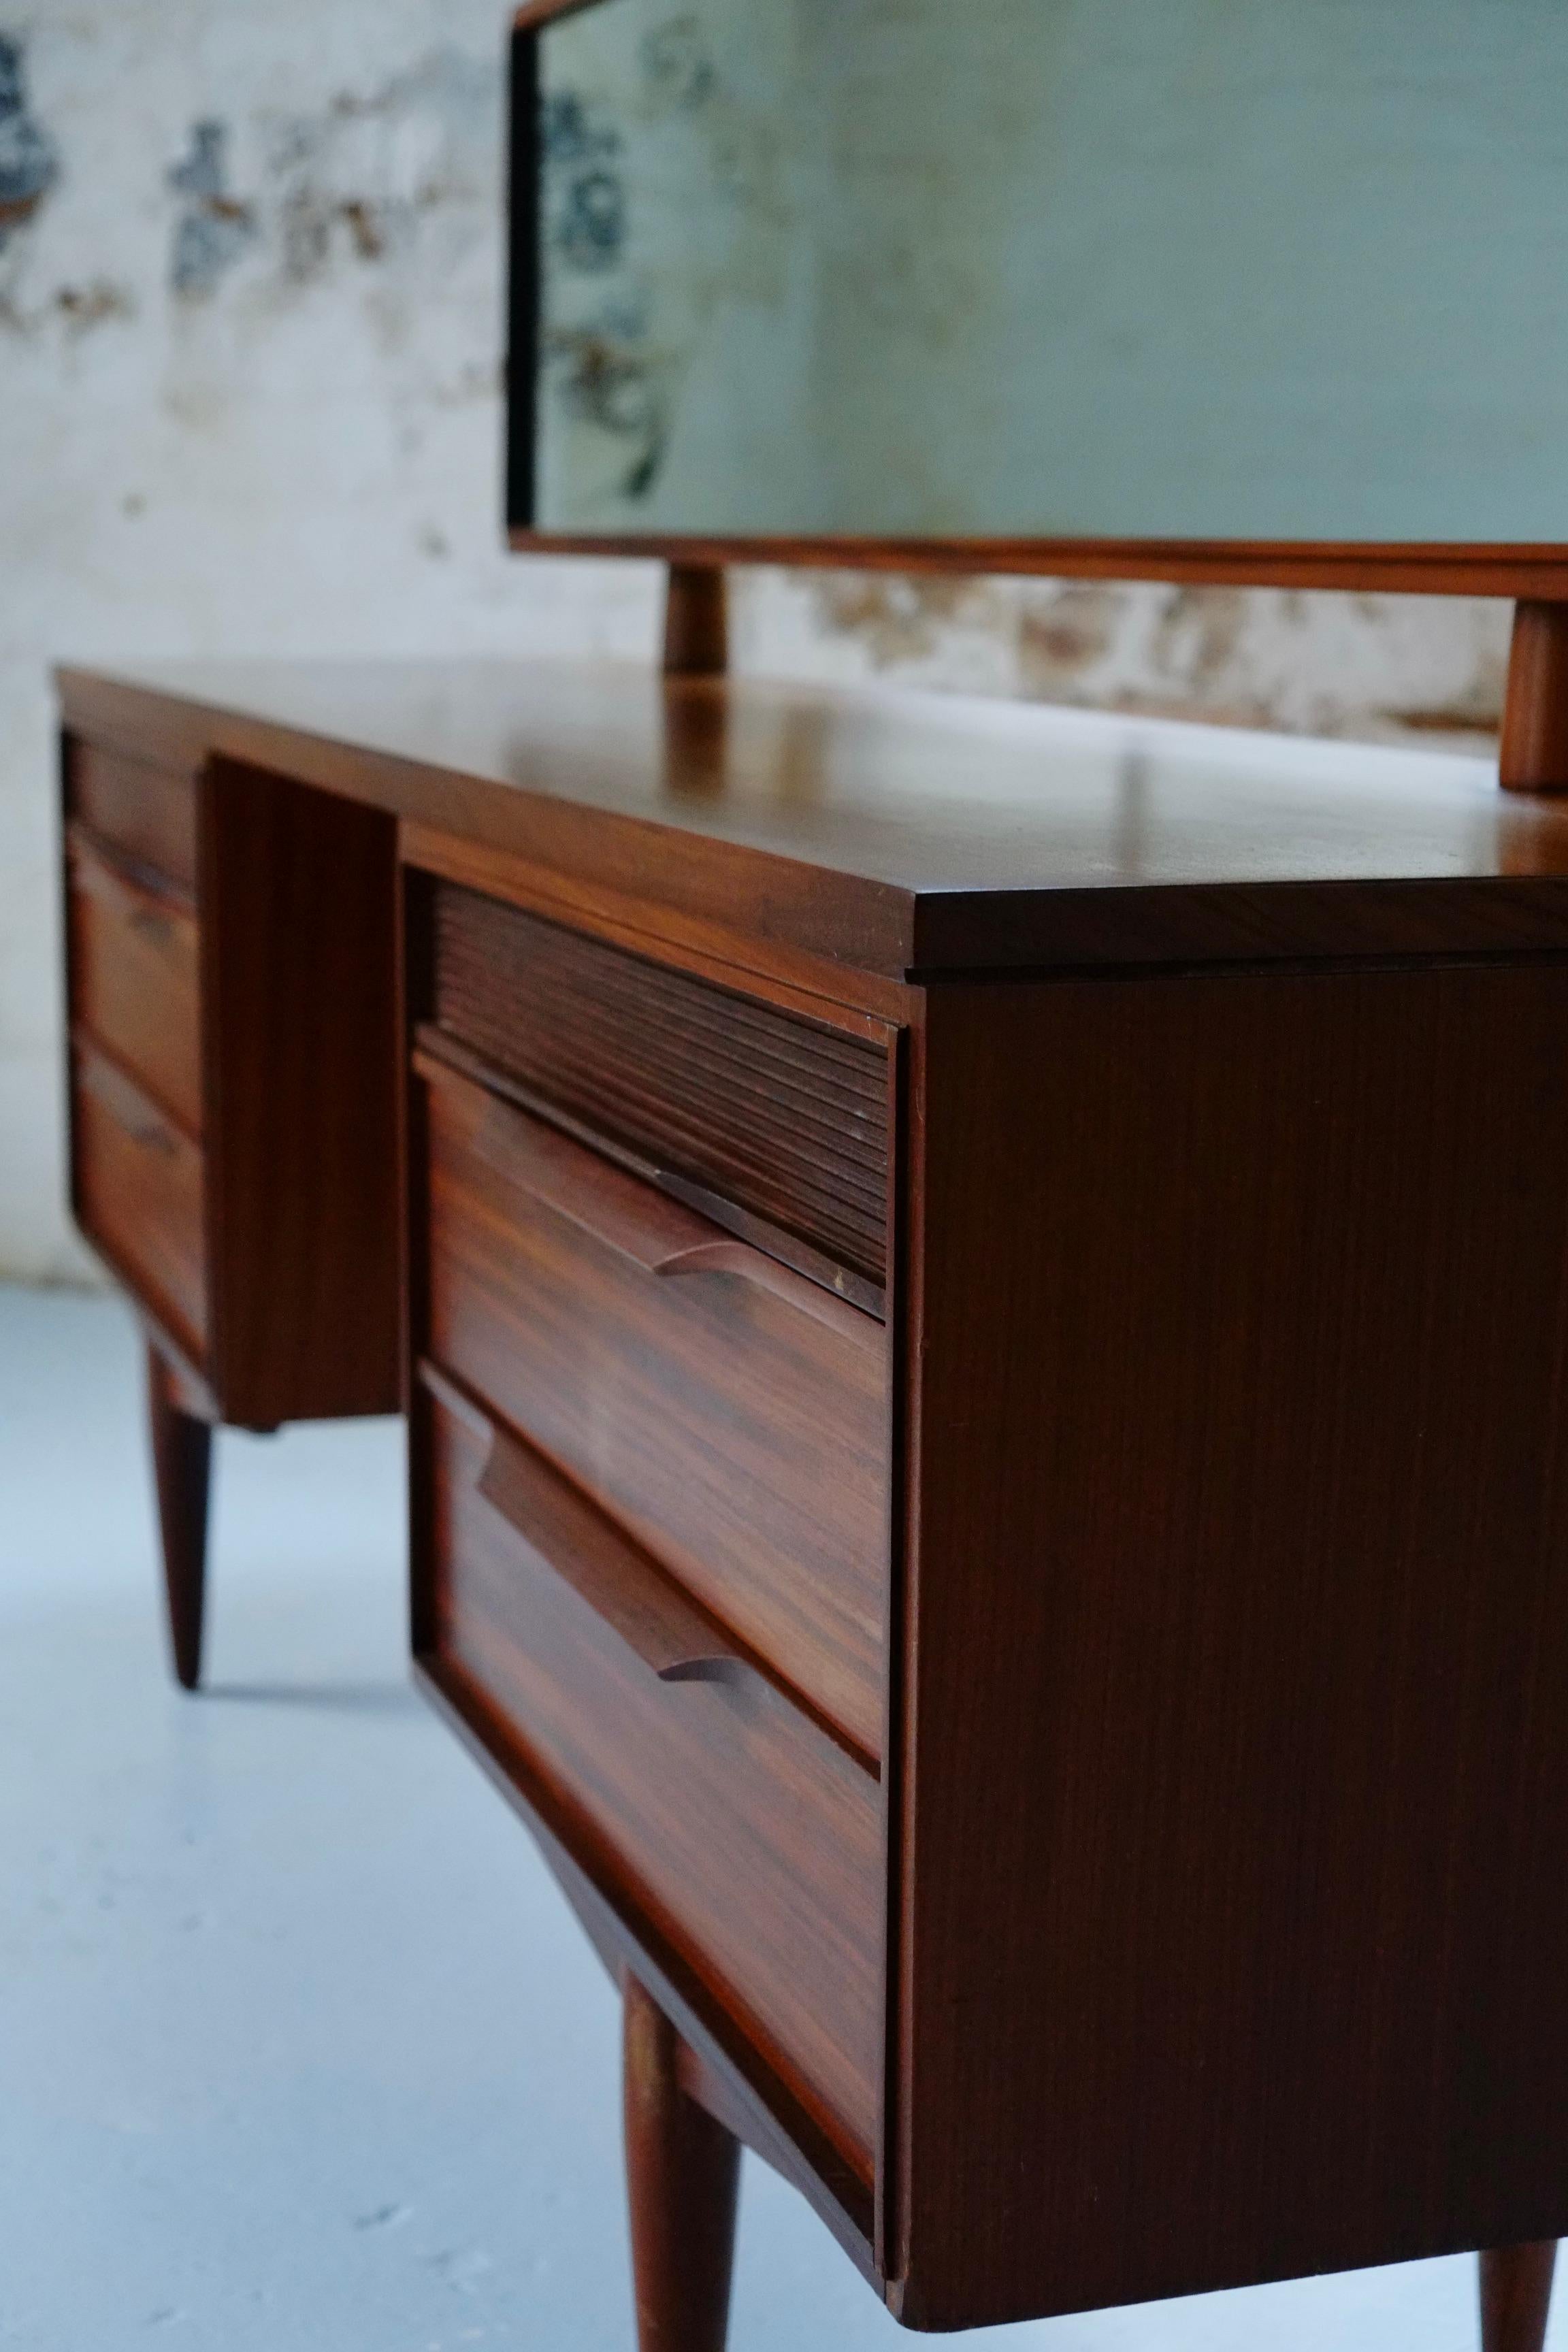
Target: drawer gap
<point>773,1111</point>
<point>151,880</point>
<point>583,1525</point>
<point>789,1248</point>
<point>87,1042</point>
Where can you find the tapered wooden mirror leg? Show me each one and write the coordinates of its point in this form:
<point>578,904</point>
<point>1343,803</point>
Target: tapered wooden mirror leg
<point>1532,756</point>
<point>682,2176</point>
<point>182,1460</point>
<point>696,621</point>
<point>1516,2294</point>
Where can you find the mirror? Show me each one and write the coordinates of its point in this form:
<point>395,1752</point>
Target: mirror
<point>1013,269</point>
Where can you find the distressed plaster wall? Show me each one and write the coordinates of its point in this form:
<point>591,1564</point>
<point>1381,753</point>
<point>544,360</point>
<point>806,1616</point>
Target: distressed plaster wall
<point>248,397</point>
<point>249,265</point>
<point>1397,669</point>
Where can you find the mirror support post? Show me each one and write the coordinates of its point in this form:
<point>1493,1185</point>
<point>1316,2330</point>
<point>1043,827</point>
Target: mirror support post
<point>1533,753</point>
<point>696,621</point>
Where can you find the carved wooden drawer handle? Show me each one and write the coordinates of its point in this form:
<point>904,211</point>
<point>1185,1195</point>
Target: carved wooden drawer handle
<point>629,1214</point>
<point>149,1133</point>
<point>125,1108</point>
<point>627,1590</point>
<point>152,906</point>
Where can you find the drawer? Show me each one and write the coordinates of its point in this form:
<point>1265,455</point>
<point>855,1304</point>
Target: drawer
<point>732,1415</point>
<point>134,979</point>
<point>763,1114</point>
<point>751,1841</point>
<point>147,812</point>
<point>139,1195</point>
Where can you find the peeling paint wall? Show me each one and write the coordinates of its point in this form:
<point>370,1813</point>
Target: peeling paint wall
<point>249,394</point>
<point>27,160</point>
<point>249,399</point>
<point>1372,669</point>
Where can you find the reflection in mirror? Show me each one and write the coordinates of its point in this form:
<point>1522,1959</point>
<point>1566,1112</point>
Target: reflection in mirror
<point>982,269</point>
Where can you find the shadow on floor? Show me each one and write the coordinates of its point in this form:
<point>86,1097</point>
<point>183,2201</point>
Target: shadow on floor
<point>346,1698</point>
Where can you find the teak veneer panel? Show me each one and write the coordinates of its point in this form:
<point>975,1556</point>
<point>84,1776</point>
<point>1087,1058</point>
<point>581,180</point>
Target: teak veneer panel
<point>752,1106</point>
<point>892,833</point>
<point>726,2072</point>
<point>751,1838</point>
<point>299,905</point>
<point>232,977</point>
<point>136,988</point>
<point>1457,568</point>
<point>138,1191</point>
<point>1233,1775</point>
<point>147,812</point>
<point>1207,1923</point>
<point>740,1436</point>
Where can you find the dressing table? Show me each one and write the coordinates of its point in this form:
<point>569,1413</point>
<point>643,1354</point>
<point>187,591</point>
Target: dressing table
<point>985,1304</point>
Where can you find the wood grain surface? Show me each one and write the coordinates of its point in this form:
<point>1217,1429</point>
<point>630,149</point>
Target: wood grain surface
<point>741,1440</point>
<point>683,2175</point>
<point>891,833</point>
<point>743,1829</point>
<point>299,983</point>
<point>781,1115</point>
<point>1236,1798</point>
<point>148,813</point>
<point>134,950</point>
<point>1207,1925</point>
<point>1457,568</point>
<point>138,1190</point>
<point>722,2069</point>
<point>626,1588</point>
<point>1533,752</point>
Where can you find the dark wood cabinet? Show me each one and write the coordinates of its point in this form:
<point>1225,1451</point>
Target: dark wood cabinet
<point>733,1414</point>
<point>985,1373</point>
<point>230,984</point>
<point>141,1192</point>
<point>1250,1668</point>
<point>731,1815</point>
<point>134,949</point>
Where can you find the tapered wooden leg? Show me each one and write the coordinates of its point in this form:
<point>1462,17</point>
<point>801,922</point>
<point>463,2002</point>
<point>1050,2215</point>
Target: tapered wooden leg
<point>682,2175</point>
<point>181,1458</point>
<point>1516,2294</point>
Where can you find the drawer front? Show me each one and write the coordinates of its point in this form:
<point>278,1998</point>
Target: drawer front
<point>146,812</point>
<point>779,1117</point>
<point>139,1194</point>
<point>730,1414</point>
<point>134,980</point>
<point>749,1839</point>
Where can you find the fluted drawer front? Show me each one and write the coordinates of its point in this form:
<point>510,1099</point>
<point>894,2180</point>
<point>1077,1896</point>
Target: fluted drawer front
<point>783,1118</point>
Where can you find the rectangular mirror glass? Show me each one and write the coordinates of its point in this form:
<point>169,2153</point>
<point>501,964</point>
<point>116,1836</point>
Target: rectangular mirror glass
<point>981,269</point>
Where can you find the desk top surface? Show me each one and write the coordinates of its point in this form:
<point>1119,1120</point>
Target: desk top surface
<point>902,831</point>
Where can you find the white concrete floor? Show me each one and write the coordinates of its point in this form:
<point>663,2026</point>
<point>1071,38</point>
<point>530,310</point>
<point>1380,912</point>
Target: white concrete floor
<point>299,2045</point>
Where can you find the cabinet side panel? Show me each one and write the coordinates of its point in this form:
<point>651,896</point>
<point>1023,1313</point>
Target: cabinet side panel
<point>1235,1921</point>
<point>300,1057</point>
